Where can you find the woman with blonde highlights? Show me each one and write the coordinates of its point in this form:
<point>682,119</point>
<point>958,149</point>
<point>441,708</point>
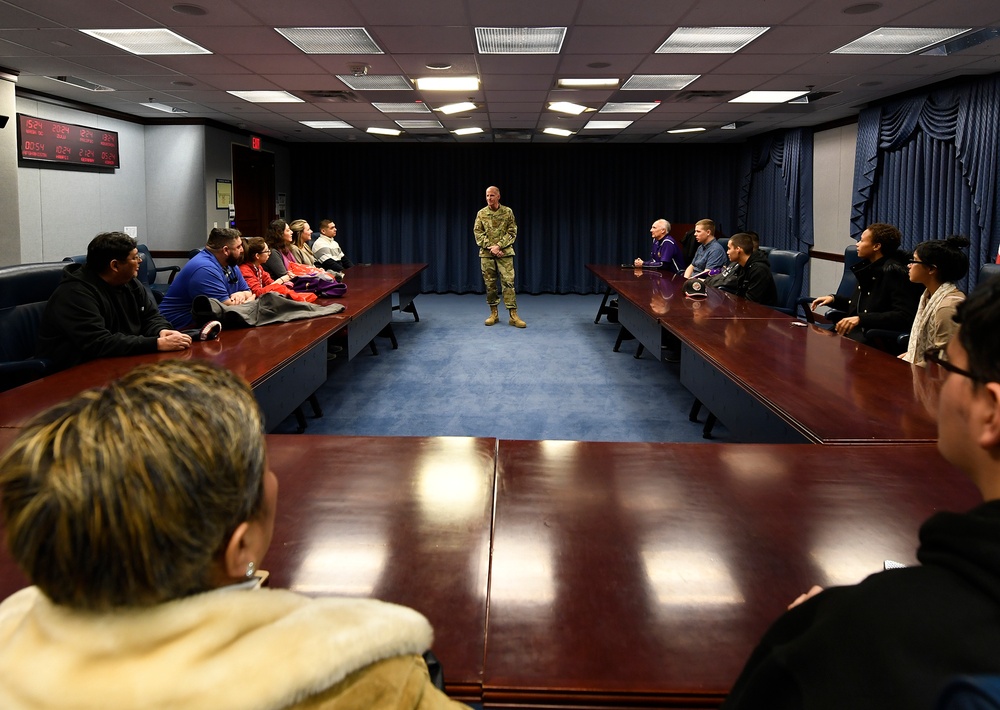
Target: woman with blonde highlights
<point>141,513</point>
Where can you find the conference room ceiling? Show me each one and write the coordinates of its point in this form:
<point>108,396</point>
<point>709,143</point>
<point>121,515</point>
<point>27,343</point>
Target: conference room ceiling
<point>604,39</point>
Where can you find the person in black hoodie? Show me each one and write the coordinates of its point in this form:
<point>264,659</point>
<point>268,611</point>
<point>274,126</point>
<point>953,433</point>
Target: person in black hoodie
<point>100,309</point>
<point>884,299</point>
<point>898,637</point>
<point>754,280</point>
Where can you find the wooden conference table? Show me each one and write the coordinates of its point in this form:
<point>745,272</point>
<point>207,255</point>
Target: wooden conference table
<point>770,378</point>
<point>612,575</point>
<point>284,362</point>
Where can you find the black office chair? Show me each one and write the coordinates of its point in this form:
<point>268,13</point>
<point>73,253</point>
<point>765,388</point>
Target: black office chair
<point>148,270</point>
<point>848,282</point>
<point>788,269</point>
<point>980,692</point>
<point>24,291</point>
<point>988,271</point>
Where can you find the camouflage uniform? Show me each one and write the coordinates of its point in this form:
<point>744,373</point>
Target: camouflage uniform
<point>497,227</point>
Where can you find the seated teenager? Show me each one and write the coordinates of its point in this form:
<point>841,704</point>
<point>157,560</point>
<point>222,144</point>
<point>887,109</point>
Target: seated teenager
<point>283,260</point>
<point>100,309</point>
<point>327,251</point>
<point>729,278</point>
<point>301,235</point>
<point>665,253</point>
<point>884,299</point>
<point>141,513</point>
<point>937,264</point>
<point>710,256</point>
<point>895,639</point>
<point>256,252</point>
<point>212,272</point>
<point>754,281</point>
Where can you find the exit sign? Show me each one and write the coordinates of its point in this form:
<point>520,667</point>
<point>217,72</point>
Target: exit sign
<point>255,142</point>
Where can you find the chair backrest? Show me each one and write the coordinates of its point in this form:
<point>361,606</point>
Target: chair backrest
<point>848,282</point>
<point>971,693</point>
<point>24,291</point>
<point>988,271</point>
<point>79,258</point>
<point>147,269</point>
<point>788,269</point>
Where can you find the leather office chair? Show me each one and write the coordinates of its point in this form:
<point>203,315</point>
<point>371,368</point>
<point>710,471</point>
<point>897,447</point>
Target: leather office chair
<point>24,291</point>
<point>788,269</point>
<point>848,282</point>
<point>988,271</point>
<point>148,270</point>
<point>980,692</point>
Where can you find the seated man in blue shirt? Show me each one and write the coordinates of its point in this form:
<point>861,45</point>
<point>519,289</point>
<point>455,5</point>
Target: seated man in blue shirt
<point>213,272</point>
<point>666,252</point>
<point>710,255</point>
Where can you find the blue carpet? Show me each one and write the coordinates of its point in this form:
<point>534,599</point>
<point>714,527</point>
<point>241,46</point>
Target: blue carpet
<point>556,379</point>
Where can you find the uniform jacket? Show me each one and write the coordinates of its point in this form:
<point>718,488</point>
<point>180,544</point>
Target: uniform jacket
<point>885,298</point>
<point>895,639</point>
<point>666,253</point>
<point>86,318</point>
<point>220,650</point>
<point>495,227</point>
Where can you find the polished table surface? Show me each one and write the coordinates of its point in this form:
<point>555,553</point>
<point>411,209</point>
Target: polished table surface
<point>255,354</point>
<point>826,388</point>
<point>639,575</point>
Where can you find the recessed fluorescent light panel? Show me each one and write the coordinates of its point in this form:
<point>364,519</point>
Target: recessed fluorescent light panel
<point>162,107</point>
<point>710,40</point>
<point>376,82</point>
<point>567,107</point>
<point>586,83</point>
<point>151,41</point>
<point>457,108</point>
<point>613,125</point>
<point>331,40</point>
<point>629,107</point>
<point>663,82</point>
<point>767,97</point>
<point>326,124</point>
<point>561,132</point>
<point>384,131</point>
<point>448,83</point>
<point>899,40</point>
<point>267,97</point>
<point>412,107</point>
<point>520,40</point>
<point>419,123</point>
<point>467,131</point>
<point>686,130</point>
<point>81,83</point>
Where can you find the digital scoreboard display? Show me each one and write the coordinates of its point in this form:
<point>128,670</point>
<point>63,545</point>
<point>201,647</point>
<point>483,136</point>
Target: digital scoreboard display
<point>57,142</point>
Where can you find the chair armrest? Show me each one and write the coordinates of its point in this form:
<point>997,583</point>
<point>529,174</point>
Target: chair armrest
<point>174,270</point>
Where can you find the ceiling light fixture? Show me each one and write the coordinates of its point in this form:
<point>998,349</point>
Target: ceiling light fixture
<point>161,107</point>
<point>376,82</point>
<point>419,123</point>
<point>467,131</point>
<point>448,83</point>
<point>267,97</point>
<point>457,108</point>
<point>520,40</point>
<point>606,125</point>
<point>412,107</point>
<point>662,82</point>
<point>586,83</point>
<point>629,106</point>
<point>561,132</point>
<point>767,97</point>
<point>326,124</point>
<point>384,131</point>
<point>710,40</point>
<point>567,107</point>
<point>81,83</point>
<point>686,130</point>
<point>157,41</point>
<point>331,40</point>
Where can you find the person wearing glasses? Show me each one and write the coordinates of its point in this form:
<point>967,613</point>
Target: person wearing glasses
<point>212,272</point>
<point>937,264</point>
<point>895,639</point>
<point>100,309</point>
<point>884,298</point>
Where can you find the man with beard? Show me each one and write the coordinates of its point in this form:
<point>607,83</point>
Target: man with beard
<point>212,272</point>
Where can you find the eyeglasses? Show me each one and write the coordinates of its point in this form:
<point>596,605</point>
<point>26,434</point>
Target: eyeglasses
<point>922,263</point>
<point>935,355</point>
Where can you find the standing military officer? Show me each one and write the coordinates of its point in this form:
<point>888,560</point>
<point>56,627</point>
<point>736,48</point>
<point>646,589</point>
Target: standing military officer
<point>495,231</point>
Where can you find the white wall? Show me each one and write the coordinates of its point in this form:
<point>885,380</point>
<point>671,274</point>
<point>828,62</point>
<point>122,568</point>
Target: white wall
<point>10,234</point>
<point>833,181</point>
<point>175,199</point>
<point>60,210</point>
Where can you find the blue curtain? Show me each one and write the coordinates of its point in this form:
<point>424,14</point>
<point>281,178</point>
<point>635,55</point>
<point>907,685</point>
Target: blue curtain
<point>929,163</point>
<point>776,189</point>
<point>574,204</point>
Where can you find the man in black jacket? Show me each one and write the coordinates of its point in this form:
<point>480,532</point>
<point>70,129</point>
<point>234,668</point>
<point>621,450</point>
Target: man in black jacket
<point>754,280</point>
<point>100,309</point>
<point>885,298</point>
<point>895,639</point>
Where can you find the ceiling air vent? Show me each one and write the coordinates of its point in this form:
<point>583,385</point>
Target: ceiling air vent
<point>335,96</point>
<point>511,134</point>
<point>685,97</point>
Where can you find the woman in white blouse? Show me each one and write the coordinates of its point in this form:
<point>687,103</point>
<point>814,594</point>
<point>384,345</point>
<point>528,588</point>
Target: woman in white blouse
<point>937,264</point>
